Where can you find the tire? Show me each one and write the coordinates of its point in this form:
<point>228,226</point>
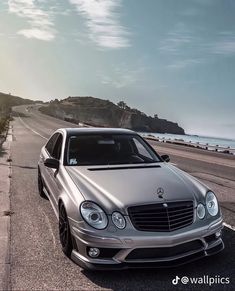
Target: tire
<point>40,185</point>
<point>64,232</point>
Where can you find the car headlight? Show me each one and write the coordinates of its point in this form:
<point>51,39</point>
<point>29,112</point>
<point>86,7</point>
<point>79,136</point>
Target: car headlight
<point>94,215</point>
<point>212,203</point>
<point>119,220</point>
<point>201,211</point>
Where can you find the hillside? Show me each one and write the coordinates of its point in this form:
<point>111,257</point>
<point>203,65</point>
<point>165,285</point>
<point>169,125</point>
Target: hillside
<point>104,113</point>
<point>6,102</point>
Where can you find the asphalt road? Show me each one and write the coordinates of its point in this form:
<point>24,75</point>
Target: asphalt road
<point>37,261</point>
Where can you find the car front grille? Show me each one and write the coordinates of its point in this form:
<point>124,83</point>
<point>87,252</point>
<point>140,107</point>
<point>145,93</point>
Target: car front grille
<point>162,217</point>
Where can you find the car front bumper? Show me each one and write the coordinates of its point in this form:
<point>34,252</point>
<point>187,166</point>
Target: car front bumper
<point>146,251</point>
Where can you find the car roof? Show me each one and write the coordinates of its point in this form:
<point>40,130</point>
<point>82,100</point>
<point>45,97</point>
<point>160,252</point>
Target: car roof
<point>96,130</point>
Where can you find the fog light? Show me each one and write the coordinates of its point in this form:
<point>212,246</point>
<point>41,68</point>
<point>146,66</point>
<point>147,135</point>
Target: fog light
<point>93,252</point>
<point>218,234</point>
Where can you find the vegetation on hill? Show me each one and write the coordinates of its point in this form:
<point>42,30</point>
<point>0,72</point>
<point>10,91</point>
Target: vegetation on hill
<point>3,124</point>
<point>104,113</point>
<point>8,100</point>
<point>6,103</point>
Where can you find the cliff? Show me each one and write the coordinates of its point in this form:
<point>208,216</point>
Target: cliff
<point>104,113</point>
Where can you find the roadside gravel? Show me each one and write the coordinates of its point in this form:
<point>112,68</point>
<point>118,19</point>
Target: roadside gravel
<point>5,174</point>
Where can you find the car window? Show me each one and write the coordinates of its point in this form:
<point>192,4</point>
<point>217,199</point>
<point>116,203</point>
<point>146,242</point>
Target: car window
<point>108,150</point>
<point>141,150</point>
<point>56,153</point>
<point>50,144</point>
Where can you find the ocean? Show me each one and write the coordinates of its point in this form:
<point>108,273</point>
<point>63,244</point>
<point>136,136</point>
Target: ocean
<point>213,141</point>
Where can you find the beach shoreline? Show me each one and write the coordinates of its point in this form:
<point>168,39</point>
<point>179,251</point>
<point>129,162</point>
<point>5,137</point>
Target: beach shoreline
<point>229,150</point>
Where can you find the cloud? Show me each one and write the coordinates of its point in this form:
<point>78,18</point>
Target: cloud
<point>40,21</point>
<point>119,81</point>
<point>177,39</point>
<point>225,46</point>
<point>186,44</point>
<point>123,77</point>
<point>182,64</point>
<point>191,11</point>
<point>37,33</point>
<point>103,22</point>
<point>183,48</point>
<point>204,2</point>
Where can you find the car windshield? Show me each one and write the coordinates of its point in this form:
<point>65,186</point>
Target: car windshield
<point>109,149</point>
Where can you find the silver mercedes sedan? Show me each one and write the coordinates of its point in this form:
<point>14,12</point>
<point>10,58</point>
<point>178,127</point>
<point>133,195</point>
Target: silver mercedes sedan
<point>121,205</point>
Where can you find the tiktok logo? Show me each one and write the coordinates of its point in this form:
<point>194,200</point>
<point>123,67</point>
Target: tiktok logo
<point>176,280</point>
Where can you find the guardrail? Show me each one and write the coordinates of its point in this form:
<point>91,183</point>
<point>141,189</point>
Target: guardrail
<point>216,148</point>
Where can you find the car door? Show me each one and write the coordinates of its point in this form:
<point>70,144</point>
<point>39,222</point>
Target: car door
<point>46,153</point>
<point>54,174</point>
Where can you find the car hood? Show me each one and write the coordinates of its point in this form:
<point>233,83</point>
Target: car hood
<point>117,188</point>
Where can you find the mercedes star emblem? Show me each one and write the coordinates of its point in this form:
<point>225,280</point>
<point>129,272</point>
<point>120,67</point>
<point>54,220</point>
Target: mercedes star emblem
<point>160,192</point>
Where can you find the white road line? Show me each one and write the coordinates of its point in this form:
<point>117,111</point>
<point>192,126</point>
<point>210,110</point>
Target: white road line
<point>229,226</point>
<point>34,131</point>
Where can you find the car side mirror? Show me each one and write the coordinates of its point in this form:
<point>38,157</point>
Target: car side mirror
<point>52,163</point>
<point>165,158</point>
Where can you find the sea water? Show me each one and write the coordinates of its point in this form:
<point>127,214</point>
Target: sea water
<point>213,141</point>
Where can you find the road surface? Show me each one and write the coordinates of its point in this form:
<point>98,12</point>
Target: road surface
<point>37,261</point>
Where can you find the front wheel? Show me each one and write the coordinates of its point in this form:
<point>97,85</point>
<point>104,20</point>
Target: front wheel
<point>64,231</point>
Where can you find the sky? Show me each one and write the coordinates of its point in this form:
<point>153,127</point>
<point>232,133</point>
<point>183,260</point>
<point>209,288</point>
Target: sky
<point>174,58</point>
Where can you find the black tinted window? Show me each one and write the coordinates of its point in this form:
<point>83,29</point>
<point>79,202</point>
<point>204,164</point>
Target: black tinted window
<point>57,147</point>
<point>108,150</point>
